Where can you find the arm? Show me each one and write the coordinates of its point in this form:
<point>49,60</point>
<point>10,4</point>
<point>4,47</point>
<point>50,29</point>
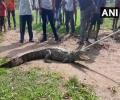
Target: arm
<point>74,5</point>
<point>75,11</point>
<point>39,2</point>
<point>15,4</point>
<point>4,5</point>
<point>53,4</point>
<point>63,4</point>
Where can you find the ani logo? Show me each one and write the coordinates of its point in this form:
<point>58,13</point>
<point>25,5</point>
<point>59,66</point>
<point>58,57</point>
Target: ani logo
<point>110,12</point>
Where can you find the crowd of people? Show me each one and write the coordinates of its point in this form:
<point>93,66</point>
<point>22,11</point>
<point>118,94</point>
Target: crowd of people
<point>53,11</point>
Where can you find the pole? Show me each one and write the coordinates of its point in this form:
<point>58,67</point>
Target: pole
<point>85,48</point>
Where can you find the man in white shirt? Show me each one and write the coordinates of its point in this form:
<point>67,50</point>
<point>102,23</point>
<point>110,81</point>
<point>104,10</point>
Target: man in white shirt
<point>25,9</point>
<point>47,11</point>
<point>70,7</point>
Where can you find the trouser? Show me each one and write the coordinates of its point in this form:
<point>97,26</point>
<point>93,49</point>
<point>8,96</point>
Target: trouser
<point>95,24</point>
<point>23,20</point>
<point>50,15</point>
<point>13,16</point>
<point>69,16</point>
<point>85,23</point>
<point>58,16</point>
<point>2,23</point>
<point>115,23</point>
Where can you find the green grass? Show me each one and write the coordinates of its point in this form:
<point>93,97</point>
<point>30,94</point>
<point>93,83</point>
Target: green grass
<point>1,35</point>
<point>37,84</point>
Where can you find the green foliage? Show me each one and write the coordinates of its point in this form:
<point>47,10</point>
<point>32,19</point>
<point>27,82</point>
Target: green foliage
<point>3,71</point>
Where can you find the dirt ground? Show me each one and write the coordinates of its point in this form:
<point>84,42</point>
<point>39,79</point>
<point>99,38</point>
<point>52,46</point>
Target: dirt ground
<point>102,71</point>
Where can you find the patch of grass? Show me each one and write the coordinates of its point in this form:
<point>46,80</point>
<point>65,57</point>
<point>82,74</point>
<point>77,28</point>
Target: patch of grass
<point>37,84</point>
<point>79,91</point>
<point>3,60</point>
<point>107,23</point>
<point>3,71</point>
<point>1,36</point>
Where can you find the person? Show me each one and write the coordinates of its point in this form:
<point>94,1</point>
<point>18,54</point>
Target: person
<point>25,9</point>
<point>58,15</point>
<point>2,15</point>
<point>87,8</point>
<point>96,20</point>
<point>47,8</point>
<point>11,11</point>
<point>35,6</point>
<point>70,7</point>
<point>115,20</point>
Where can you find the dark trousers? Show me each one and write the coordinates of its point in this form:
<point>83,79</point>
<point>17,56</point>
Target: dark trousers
<point>69,16</point>
<point>13,16</point>
<point>23,20</point>
<point>48,14</point>
<point>2,23</point>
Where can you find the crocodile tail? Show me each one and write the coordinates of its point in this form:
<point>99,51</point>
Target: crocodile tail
<point>6,65</point>
<point>12,63</point>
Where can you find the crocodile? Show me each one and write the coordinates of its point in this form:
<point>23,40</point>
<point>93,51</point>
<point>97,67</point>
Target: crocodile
<point>56,54</point>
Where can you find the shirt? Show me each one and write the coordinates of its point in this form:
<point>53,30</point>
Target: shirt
<point>10,5</point>
<point>69,5</point>
<point>84,4</point>
<point>46,4</point>
<point>25,7</point>
<point>2,9</point>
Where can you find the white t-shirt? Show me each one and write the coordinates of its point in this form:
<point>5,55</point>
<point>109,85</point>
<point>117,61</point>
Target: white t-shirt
<point>46,4</point>
<point>69,5</point>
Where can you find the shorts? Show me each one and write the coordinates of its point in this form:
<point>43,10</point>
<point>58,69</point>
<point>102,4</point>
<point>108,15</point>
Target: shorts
<point>2,20</point>
<point>96,19</point>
